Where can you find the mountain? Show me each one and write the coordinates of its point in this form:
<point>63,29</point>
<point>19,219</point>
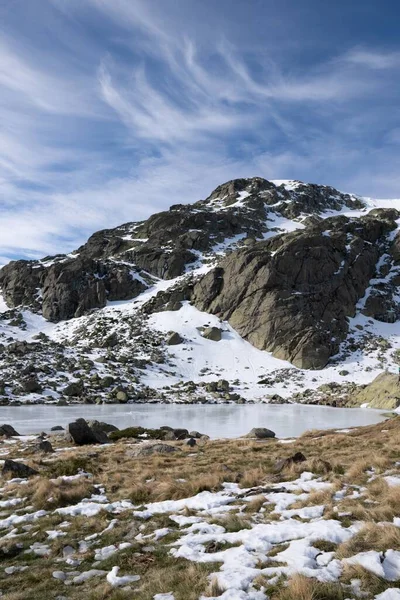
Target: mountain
<point>264,288</point>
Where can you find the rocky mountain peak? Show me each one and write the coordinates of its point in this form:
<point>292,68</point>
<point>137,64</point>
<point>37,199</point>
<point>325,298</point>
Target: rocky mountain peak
<point>284,265</point>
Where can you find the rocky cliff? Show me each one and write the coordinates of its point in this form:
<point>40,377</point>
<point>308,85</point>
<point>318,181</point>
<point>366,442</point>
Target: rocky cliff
<point>291,294</point>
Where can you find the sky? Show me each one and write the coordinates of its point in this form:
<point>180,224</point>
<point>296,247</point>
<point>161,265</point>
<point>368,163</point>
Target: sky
<point>111,110</point>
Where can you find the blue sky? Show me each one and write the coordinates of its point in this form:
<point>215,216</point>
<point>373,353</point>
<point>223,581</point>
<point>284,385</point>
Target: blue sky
<point>111,110</point>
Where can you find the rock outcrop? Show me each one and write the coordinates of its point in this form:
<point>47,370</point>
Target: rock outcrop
<point>292,294</point>
<point>260,433</point>
<point>149,449</point>
<point>8,430</point>
<point>69,287</point>
<point>383,392</point>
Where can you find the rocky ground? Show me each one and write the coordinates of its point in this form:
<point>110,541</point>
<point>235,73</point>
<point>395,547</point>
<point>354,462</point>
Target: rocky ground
<point>312,518</point>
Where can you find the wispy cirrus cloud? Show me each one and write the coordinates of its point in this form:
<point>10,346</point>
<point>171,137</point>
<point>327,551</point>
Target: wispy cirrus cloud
<point>373,59</point>
<point>112,110</point>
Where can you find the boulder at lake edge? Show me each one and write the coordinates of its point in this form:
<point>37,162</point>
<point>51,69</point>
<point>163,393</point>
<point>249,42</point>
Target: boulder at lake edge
<point>81,433</point>
<point>8,430</point>
<point>260,433</point>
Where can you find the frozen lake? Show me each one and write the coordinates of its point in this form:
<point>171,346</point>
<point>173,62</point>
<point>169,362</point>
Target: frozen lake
<point>217,421</point>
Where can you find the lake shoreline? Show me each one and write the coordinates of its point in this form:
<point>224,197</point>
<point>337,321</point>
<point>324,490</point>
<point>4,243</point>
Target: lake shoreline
<point>218,421</point>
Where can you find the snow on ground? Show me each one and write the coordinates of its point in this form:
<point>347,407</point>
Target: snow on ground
<point>234,358</point>
<point>3,305</point>
<point>272,541</point>
<point>277,222</point>
<point>289,184</point>
<point>231,357</point>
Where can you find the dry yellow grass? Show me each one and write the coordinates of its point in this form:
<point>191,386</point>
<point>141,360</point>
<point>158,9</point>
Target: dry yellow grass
<point>53,494</point>
<point>317,497</point>
<point>155,478</point>
<point>255,504</point>
<point>371,537</point>
<point>306,588</point>
<point>371,584</point>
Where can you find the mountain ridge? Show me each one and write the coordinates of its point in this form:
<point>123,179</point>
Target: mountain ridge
<point>286,266</point>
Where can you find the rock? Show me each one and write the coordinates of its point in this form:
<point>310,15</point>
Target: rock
<point>57,428</point>
<point>70,286</point>
<point>211,386</point>
<point>60,575</point>
<point>106,381</point>
<point>196,435</point>
<point>150,449</point>
<point>101,359</point>
<point>276,399</point>
<point>8,430</point>
<point>110,341</point>
<point>260,433</point>
<point>212,333</point>
<point>75,388</point>
<point>168,436</point>
<point>11,551</point>
<point>174,339</point>
<point>18,469</point>
<point>383,392</point>
<point>191,442</point>
<point>223,385</point>
<point>180,434</point>
<point>19,348</point>
<point>163,263</point>
<point>122,396</point>
<point>31,385</point>
<point>101,426</point>
<point>81,434</point>
<point>298,457</point>
<point>44,446</point>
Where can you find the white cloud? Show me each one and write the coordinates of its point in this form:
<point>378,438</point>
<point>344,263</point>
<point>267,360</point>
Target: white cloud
<point>155,116</point>
<point>373,59</point>
<point>24,84</point>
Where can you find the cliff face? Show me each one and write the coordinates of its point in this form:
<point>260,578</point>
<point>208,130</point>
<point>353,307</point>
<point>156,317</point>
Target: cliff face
<point>291,294</point>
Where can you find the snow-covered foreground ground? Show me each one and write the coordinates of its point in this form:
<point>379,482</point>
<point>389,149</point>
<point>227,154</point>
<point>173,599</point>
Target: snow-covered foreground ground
<point>326,521</point>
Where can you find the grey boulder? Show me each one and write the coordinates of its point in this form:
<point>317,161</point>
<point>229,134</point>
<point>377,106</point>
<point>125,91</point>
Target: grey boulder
<point>260,433</point>
<point>174,339</point>
<point>150,449</point>
<point>82,434</point>
<point>8,430</point>
<point>212,333</point>
<point>18,469</point>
